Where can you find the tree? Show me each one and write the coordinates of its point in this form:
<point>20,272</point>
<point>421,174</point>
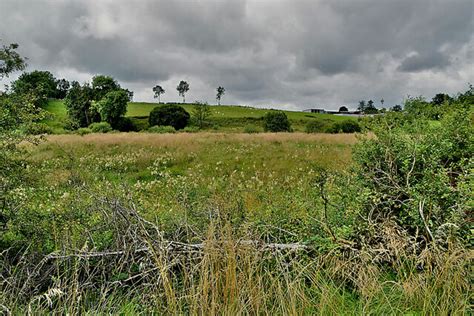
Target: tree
<point>169,115</point>
<point>440,98</point>
<point>361,106</point>
<point>78,103</point>
<point>220,93</point>
<point>41,84</point>
<point>343,109</point>
<point>397,108</point>
<point>62,86</point>
<point>158,90</point>
<point>201,112</point>
<point>10,60</point>
<point>276,121</point>
<point>130,94</point>
<point>370,108</point>
<point>382,101</point>
<point>113,106</point>
<point>101,85</point>
<point>182,88</point>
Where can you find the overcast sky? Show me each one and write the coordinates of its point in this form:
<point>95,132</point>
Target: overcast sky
<point>292,54</point>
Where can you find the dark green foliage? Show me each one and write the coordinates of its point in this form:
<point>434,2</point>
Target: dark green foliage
<point>276,121</point>
<point>347,126</point>
<point>10,60</point>
<point>440,99</point>
<point>113,106</point>
<point>169,115</point>
<point>62,87</point>
<point>316,126</point>
<point>79,105</point>
<point>125,124</point>
<point>397,108</point>
<point>101,85</point>
<point>343,109</point>
<point>41,84</point>
<point>367,108</point>
<point>102,127</point>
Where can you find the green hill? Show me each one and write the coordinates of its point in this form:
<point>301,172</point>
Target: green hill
<point>232,118</point>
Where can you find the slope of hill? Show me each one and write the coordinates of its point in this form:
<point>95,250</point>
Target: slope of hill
<point>233,118</point>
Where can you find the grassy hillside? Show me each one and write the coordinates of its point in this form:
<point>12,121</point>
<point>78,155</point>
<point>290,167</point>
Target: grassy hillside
<point>224,117</point>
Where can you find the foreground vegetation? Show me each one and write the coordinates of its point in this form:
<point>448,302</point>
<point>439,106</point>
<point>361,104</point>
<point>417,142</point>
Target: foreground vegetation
<point>215,223</point>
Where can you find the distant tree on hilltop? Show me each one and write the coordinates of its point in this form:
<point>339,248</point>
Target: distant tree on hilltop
<point>220,93</point>
<point>182,88</point>
<point>158,90</point>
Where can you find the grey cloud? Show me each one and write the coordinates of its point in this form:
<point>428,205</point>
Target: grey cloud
<point>279,52</point>
<point>424,62</point>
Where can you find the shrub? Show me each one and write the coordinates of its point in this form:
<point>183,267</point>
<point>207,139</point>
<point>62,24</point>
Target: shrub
<point>38,129</point>
<point>83,131</point>
<point>251,129</point>
<point>125,124</point>
<point>276,121</point>
<point>102,127</point>
<point>162,129</point>
<point>169,115</point>
<point>191,129</point>
<point>315,126</point>
<point>346,126</point>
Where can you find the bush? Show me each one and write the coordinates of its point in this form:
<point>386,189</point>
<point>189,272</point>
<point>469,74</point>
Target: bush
<point>315,126</point>
<point>347,126</point>
<point>83,131</point>
<point>251,129</point>
<point>162,129</point>
<point>102,127</point>
<point>38,129</point>
<point>276,121</point>
<point>125,124</point>
<point>169,115</point>
<point>190,129</point>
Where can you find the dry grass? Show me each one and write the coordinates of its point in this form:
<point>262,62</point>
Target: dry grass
<point>184,139</point>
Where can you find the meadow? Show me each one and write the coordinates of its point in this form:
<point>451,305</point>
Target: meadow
<point>208,223</point>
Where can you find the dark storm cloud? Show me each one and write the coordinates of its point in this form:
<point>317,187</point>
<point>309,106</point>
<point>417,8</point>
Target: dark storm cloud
<point>294,53</point>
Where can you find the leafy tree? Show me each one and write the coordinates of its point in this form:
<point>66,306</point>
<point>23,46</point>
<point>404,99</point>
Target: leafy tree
<point>10,60</point>
<point>169,115</point>
<point>397,108</point>
<point>276,121</point>
<point>201,112</point>
<point>113,106</point>
<point>220,93</point>
<point>440,98</point>
<point>62,87</point>
<point>130,94</point>
<point>343,109</point>
<point>41,84</point>
<point>382,101</point>
<point>182,88</point>
<point>158,90</point>
<point>101,85</point>
<point>78,103</point>
<point>361,106</point>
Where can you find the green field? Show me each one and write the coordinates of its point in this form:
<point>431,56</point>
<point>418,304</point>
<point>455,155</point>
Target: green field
<point>228,118</point>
